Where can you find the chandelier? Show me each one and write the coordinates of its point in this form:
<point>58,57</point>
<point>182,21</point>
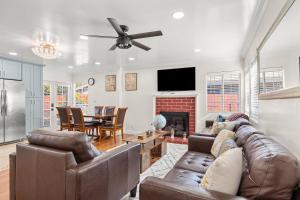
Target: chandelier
<point>46,50</point>
<point>46,46</point>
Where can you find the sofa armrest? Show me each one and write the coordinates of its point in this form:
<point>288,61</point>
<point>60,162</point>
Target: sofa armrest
<point>160,189</point>
<point>12,176</point>
<point>200,143</point>
<point>109,176</point>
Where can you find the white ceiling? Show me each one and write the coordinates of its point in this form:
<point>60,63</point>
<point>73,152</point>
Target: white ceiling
<point>217,27</point>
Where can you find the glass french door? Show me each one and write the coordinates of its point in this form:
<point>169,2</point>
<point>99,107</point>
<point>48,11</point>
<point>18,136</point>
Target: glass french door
<point>55,95</point>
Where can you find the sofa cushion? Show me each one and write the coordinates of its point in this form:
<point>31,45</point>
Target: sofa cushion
<point>75,142</point>
<point>184,177</point>
<point>225,173</point>
<point>272,172</point>
<point>243,133</point>
<point>221,137</point>
<point>195,161</point>
<point>226,145</point>
<point>240,122</point>
<point>235,116</point>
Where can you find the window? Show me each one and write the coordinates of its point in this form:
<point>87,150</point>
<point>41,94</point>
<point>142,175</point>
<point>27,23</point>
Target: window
<point>251,92</point>
<point>62,95</point>
<point>271,79</point>
<point>247,93</point>
<point>47,105</point>
<point>81,96</point>
<point>223,92</point>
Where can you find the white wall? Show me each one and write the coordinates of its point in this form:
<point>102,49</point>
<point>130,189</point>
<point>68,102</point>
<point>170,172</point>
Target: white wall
<point>289,61</point>
<point>140,102</point>
<point>97,93</point>
<point>277,118</point>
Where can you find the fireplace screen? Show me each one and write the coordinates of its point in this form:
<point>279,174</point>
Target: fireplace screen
<point>179,121</point>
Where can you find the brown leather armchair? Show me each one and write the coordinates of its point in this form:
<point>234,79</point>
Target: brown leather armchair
<point>41,172</point>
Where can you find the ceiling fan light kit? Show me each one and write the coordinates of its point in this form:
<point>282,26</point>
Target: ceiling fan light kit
<point>125,41</point>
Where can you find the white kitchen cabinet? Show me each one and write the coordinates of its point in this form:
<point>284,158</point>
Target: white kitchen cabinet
<point>34,113</point>
<point>33,79</point>
<point>11,70</point>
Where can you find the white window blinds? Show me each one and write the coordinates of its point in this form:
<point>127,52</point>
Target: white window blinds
<point>271,79</point>
<point>247,93</point>
<point>253,92</point>
<point>214,93</point>
<point>223,92</point>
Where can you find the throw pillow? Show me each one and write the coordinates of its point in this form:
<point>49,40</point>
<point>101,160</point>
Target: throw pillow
<point>235,116</point>
<point>221,137</point>
<point>226,145</point>
<point>224,174</point>
<point>218,126</point>
<point>220,118</point>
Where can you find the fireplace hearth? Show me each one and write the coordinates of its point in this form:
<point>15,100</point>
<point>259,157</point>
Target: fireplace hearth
<point>179,121</point>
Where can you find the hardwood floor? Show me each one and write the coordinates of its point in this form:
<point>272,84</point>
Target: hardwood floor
<point>102,145</point>
<point>4,191</point>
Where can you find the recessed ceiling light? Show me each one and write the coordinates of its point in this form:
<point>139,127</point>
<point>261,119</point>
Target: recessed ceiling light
<point>13,53</point>
<point>178,15</point>
<point>83,37</point>
<point>197,50</point>
<point>70,67</point>
<point>131,58</point>
<point>97,63</point>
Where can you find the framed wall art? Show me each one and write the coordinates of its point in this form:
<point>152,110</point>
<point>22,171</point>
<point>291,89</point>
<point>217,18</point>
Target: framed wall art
<point>110,83</point>
<point>131,81</point>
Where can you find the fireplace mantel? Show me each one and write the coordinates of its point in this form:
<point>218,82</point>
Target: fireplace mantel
<point>175,94</point>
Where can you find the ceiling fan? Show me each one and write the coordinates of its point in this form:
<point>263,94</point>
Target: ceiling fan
<point>125,41</point>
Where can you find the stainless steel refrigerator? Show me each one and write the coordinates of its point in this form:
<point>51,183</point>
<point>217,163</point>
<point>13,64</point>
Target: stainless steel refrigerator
<point>12,118</point>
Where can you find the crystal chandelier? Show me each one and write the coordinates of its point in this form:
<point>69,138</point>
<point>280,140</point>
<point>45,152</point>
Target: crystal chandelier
<point>46,47</point>
<point>46,50</point>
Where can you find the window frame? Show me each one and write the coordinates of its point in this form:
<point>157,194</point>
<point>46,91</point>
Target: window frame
<point>82,106</point>
<point>223,91</point>
<point>250,97</point>
<point>263,80</point>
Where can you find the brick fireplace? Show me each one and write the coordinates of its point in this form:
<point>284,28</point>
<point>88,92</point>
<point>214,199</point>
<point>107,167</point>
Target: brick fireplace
<point>178,104</point>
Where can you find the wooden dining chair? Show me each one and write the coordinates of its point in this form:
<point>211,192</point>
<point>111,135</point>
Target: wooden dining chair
<point>82,126</point>
<point>65,119</point>
<point>118,124</point>
<point>109,110</point>
<point>99,110</point>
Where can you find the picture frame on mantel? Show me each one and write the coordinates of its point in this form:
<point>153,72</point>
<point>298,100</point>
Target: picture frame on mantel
<point>131,82</point>
<point>110,83</point>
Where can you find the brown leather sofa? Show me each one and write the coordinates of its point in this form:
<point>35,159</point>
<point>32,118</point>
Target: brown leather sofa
<point>64,166</point>
<point>270,171</point>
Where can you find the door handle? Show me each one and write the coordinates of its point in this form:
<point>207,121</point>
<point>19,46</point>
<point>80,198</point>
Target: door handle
<point>4,74</point>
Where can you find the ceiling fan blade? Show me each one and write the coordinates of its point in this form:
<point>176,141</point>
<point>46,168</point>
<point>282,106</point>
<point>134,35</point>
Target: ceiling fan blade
<point>116,26</point>
<point>145,35</point>
<point>101,36</point>
<point>140,45</point>
<point>113,47</point>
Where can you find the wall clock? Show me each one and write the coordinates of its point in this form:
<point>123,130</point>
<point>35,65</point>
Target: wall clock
<point>91,81</point>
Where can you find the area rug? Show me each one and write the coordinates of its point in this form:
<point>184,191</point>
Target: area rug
<point>161,167</point>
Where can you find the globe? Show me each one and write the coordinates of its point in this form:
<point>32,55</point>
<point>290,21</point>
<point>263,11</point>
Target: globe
<point>159,122</point>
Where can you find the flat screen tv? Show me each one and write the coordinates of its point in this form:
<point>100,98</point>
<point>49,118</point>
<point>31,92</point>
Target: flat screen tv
<point>180,79</point>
